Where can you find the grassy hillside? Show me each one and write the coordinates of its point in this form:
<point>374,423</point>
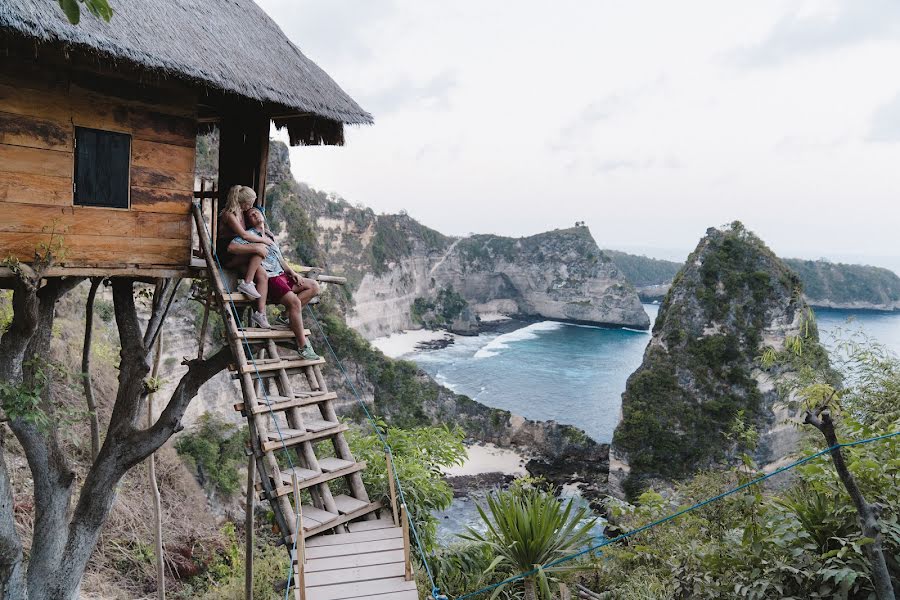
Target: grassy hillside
<point>643,270</point>
<point>842,284</point>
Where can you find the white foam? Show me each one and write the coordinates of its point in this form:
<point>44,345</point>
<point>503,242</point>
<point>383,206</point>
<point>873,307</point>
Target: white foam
<point>495,346</point>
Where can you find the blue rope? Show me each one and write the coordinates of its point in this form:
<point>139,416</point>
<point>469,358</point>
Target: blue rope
<point>268,402</point>
<point>435,590</point>
<point>673,516</point>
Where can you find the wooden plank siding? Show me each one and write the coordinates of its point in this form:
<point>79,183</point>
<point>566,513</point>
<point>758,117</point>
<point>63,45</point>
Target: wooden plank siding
<point>38,116</point>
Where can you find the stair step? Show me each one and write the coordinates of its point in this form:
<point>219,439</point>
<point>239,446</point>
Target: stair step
<point>347,504</point>
<point>237,298</point>
<point>331,463</point>
<point>276,364</point>
<point>304,482</point>
<point>279,403</point>
<point>276,333</point>
<point>316,517</point>
<point>298,437</point>
<point>309,532</point>
<point>318,424</point>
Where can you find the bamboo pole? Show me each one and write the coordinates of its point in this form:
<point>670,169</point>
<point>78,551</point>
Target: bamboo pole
<point>248,528</point>
<point>154,488</point>
<point>407,554</point>
<point>203,327</point>
<point>393,486</point>
<point>301,541</point>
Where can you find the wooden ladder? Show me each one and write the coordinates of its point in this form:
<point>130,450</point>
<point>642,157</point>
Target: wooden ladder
<point>295,419</point>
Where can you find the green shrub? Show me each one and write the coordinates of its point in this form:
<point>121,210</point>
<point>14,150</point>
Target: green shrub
<point>215,450</point>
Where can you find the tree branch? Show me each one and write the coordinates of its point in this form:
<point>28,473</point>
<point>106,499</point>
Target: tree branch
<point>160,310</point>
<point>133,364</point>
<point>86,367</point>
<point>143,443</point>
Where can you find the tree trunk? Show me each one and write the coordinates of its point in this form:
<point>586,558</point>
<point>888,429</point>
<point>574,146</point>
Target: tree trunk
<point>530,588</point>
<point>86,367</point>
<point>866,513</point>
<point>12,571</point>
<point>62,546</point>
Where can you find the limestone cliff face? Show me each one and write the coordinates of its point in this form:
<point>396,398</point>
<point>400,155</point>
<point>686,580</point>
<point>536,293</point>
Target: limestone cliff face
<point>700,375</point>
<point>560,275</point>
<point>391,260</point>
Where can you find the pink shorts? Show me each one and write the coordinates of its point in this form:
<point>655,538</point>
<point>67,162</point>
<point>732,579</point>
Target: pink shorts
<point>279,286</point>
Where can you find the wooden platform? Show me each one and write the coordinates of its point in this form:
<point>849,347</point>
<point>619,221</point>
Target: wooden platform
<point>366,563</point>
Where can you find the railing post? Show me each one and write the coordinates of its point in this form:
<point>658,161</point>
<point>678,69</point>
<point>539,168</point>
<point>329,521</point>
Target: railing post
<point>300,559</point>
<point>393,486</point>
<point>407,555</point>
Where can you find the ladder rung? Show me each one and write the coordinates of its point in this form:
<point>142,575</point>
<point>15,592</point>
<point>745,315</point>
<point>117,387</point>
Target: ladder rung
<point>331,463</point>
<point>279,403</point>
<point>276,333</point>
<point>277,364</point>
<point>237,298</point>
<point>318,478</point>
<point>314,517</point>
<point>318,424</point>
<point>311,531</point>
<point>346,504</point>
<point>301,436</point>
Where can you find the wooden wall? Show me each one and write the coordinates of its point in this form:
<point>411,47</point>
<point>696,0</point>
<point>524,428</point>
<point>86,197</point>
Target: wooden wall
<point>38,113</point>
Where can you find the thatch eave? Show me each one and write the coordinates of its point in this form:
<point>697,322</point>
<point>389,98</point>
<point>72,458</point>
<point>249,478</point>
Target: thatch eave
<point>162,37</point>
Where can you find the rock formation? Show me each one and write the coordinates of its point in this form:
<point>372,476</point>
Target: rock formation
<point>825,284</point>
<point>700,375</point>
<point>392,260</point>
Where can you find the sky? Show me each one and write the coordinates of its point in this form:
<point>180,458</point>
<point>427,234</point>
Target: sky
<point>650,120</point>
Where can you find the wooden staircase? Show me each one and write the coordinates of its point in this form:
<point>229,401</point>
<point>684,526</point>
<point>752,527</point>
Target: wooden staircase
<point>338,545</point>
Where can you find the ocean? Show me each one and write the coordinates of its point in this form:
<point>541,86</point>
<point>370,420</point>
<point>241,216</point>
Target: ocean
<point>576,374</point>
<point>573,374</point>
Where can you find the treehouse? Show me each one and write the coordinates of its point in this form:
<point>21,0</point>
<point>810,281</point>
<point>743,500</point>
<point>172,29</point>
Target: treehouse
<point>98,130</point>
<point>98,125</point>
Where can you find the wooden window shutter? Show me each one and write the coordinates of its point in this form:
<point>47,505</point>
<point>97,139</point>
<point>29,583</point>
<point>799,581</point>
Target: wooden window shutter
<point>102,168</point>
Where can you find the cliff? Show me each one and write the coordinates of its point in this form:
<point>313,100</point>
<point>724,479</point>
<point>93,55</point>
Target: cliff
<point>699,378</point>
<point>839,285</point>
<point>397,253</point>
<point>391,261</point>
<point>825,284</point>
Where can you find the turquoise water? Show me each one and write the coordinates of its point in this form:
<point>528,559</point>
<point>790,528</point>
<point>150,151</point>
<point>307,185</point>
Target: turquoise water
<point>575,374</point>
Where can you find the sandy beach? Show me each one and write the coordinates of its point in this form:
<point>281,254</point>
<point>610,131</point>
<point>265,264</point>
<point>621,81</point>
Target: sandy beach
<point>488,458</point>
<point>405,342</point>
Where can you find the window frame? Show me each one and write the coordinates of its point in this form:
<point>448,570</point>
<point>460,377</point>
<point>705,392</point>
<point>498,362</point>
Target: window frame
<point>75,201</point>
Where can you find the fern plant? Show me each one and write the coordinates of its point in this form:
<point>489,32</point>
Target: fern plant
<point>527,529</point>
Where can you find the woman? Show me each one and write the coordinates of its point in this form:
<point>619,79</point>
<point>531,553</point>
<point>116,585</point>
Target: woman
<point>285,287</point>
<point>236,248</point>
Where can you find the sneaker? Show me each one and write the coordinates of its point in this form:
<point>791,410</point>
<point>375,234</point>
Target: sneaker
<point>249,288</point>
<point>308,353</point>
<point>259,319</point>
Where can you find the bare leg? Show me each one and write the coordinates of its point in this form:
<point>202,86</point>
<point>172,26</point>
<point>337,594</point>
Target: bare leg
<point>262,286</point>
<point>306,290</point>
<point>291,302</point>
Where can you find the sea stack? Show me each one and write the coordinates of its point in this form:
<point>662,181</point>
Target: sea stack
<point>701,373</point>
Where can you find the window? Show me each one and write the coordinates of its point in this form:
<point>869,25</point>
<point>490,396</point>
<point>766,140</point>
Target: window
<point>102,160</point>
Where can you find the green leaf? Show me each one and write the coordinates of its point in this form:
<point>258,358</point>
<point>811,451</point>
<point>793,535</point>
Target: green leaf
<point>73,12</point>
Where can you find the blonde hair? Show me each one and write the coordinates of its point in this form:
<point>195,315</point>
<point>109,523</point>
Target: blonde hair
<point>236,195</point>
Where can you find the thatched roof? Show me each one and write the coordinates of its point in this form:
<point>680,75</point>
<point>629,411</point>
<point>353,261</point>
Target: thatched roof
<point>229,45</point>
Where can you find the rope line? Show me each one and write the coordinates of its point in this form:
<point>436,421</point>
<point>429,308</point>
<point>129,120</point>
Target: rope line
<point>265,393</point>
<point>675,515</point>
<point>435,590</point>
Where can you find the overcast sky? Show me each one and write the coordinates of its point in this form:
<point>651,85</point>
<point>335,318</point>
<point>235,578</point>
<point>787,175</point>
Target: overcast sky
<point>651,121</point>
